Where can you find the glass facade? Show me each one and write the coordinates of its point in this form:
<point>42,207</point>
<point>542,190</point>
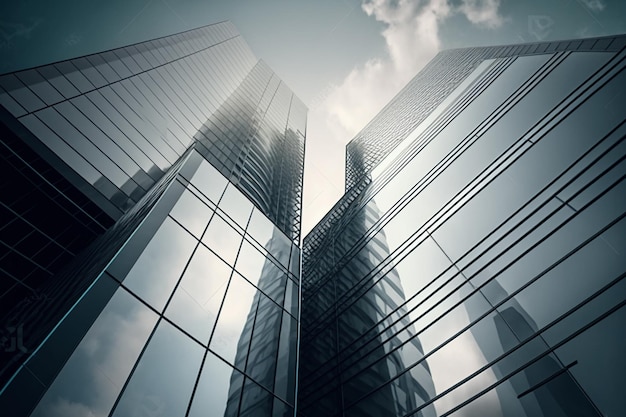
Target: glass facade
<point>151,261</point>
<point>176,167</point>
<point>475,264</point>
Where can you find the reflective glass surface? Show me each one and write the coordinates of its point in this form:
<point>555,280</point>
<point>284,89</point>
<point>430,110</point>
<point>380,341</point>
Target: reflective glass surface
<point>198,297</point>
<point>218,391</point>
<point>477,269</point>
<point>161,264</point>
<point>251,262</point>
<point>234,324</point>
<point>468,275</point>
<point>169,356</point>
<point>236,206</point>
<point>192,213</point>
<point>93,377</point>
<point>180,140</point>
<point>222,238</point>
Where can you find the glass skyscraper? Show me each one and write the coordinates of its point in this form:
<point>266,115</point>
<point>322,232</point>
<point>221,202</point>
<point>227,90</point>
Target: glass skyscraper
<point>150,234</point>
<point>151,261</point>
<point>475,264</point>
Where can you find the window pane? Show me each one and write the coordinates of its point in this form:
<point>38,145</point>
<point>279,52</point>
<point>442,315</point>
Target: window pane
<point>98,138</point>
<point>92,378</point>
<point>234,325</point>
<point>601,373</point>
<point>251,264</point>
<point>294,261</point>
<point>260,227</point>
<point>197,299</point>
<point>61,148</point>
<point>59,82</point>
<point>261,364</point>
<point>81,144</point>
<point>192,213</point>
<point>157,270</point>
<point>91,73</point>
<point>286,363</point>
<point>279,247</point>
<point>164,377</point>
<point>40,86</point>
<point>255,401</point>
<point>291,298</point>
<point>582,273</point>
<point>222,239</point>
<point>25,97</point>
<point>236,205</point>
<point>74,76</point>
<point>209,181</point>
<point>10,104</point>
<point>218,391</point>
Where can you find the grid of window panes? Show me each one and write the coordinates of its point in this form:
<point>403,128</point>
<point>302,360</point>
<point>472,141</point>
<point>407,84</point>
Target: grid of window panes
<point>256,138</point>
<point>430,87</point>
<point>86,138</point>
<point>31,251</point>
<point>31,310</point>
<point>197,314</point>
<point>121,118</point>
<point>497,236</point>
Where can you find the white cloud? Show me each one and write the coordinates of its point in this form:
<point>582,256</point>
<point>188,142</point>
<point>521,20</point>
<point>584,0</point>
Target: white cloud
<point>412,39</point>
<point>482,12</point>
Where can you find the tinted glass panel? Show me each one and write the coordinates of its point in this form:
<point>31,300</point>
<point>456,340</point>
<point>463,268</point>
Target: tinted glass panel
<point>255,401</point>
<point>231,337</point>
<point>251,264</point>
<point>157,270</point>
<point>40,86</point>
<point>25,97</point>
<point>192,213</point>
<point>92,378</point>
<point>222,239</point>
<point>218,391</point>
<point>59,82</point>
<point>198,297</point>
<point>170,356</point>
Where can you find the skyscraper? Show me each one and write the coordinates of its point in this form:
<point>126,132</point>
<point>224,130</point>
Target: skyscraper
<point>475,264</point>
<point>150,259</point>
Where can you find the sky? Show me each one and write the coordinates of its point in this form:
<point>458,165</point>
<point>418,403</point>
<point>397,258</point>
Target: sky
<point>344,58</point>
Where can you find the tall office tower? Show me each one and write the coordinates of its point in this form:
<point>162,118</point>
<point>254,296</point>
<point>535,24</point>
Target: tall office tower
<point>475,265</point>
<point>151,220</point>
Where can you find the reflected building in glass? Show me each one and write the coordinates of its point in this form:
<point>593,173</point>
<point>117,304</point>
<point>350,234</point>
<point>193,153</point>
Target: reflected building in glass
<point>151,260</point>
<point>475,264</point>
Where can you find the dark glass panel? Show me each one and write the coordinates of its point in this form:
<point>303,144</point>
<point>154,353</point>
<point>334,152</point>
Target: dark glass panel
<point>255,401</point>
<point>92,378</point>
<point>25,97</point>
<point>62,84</point>
<point>76,77</point>
<point>40,86</point>
<point>218,391</point>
